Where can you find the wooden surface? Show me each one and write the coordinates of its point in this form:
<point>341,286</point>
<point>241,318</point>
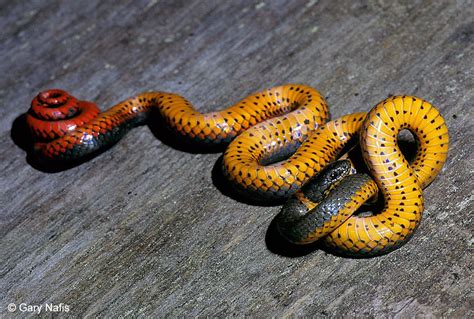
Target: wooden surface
<point>146,229</point>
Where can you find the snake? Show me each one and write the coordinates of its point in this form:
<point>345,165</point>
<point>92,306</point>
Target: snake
<point>278,140</point>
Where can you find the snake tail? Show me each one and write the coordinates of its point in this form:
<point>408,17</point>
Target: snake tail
<point>67,129</point>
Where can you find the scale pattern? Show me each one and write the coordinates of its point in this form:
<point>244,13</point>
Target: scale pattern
<point>244,156</point>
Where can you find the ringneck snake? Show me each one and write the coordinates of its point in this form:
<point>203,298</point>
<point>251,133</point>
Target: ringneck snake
<point>269,126</point>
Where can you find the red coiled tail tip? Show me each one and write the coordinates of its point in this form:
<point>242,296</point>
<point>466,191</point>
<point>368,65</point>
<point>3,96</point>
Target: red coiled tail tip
<point>54,105</point>
<point>55,112</point>
<point>53,97</point>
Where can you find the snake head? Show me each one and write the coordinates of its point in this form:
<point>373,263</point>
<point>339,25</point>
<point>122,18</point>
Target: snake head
<point>320,185</point>
<point>297,208</point>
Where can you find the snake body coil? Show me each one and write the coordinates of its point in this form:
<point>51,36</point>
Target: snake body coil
<point>266,127</point>
<point>306,219</point>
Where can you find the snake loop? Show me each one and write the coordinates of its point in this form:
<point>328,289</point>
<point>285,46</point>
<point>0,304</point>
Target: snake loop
<point>304,220</point>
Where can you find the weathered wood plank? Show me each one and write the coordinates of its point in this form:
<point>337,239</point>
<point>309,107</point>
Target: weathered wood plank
<point>145,229</point>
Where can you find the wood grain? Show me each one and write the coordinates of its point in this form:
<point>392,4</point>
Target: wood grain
<point>149,230</point>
